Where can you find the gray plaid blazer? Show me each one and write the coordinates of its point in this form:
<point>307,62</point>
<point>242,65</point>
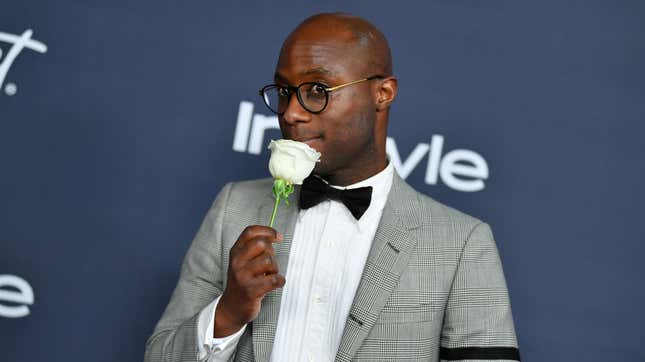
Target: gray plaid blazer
<point>432,287</point>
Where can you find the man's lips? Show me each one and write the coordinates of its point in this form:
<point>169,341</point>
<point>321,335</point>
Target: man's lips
<point>307,140</point>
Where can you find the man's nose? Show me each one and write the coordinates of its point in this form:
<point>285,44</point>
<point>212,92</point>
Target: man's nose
<point>295,112</point>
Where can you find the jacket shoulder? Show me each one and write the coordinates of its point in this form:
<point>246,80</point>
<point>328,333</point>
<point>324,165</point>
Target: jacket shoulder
<point>436,221</point>
<point>256,186</point>
<point>443,212</point>
<point>248,192</point>
<point>425,210</point>
<point>433,221</point>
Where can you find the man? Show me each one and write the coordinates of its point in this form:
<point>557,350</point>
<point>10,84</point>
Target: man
<point>407,278</point>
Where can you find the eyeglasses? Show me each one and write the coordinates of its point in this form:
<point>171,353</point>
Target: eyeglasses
<point>312,96</point>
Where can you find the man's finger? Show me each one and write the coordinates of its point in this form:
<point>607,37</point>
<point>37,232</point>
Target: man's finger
<point>252,249</point>
<point>263,264</point>
<point>254,231</point>
<point>263,284</point>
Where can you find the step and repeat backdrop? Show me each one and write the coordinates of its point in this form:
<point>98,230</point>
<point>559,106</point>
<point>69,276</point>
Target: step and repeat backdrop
<point>120,122</point>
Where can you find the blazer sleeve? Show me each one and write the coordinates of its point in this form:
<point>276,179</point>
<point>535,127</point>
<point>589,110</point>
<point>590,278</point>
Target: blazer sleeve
<point>174,338</point>
<point>478,324</point>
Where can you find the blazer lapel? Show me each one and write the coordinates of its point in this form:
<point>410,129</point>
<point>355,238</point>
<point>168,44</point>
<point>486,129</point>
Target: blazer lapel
<point>264,326</point>
<point>388,257</point>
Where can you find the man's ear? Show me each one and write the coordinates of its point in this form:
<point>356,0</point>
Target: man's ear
<point>385,93</point>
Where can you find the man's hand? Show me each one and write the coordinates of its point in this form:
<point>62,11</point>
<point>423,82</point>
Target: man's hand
<point>252,273</point>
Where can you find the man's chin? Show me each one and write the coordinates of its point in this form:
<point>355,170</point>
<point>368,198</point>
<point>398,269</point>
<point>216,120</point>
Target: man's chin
<point>319,170</point>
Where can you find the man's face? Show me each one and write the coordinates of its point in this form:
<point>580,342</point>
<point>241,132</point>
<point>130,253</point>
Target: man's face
<point>344,132</point>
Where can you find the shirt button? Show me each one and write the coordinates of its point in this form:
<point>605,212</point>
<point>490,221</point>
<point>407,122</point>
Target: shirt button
<point>329,243</point>
<point>318,300</point>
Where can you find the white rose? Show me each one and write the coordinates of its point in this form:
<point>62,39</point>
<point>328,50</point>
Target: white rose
<point>292,161</point>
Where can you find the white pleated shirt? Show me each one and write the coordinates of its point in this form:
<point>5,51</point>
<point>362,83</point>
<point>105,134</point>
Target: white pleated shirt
<point>326,260</point>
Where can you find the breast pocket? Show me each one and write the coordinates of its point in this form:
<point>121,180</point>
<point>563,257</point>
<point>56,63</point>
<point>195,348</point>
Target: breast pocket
<point>404,332</point>
<point>410,306</point>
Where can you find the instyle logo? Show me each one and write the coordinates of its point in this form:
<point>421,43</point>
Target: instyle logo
<point>461,170</point>
<point>18,43</point>
<point>19,296</point>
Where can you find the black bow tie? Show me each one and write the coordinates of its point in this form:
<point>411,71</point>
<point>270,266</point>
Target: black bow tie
<point>314,191</point>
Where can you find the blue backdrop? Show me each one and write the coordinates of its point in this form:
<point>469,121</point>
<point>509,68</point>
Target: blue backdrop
<point>120,121</point>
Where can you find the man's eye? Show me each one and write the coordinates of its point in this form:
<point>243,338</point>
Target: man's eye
<point>283,92</point>
<point>318,89</point>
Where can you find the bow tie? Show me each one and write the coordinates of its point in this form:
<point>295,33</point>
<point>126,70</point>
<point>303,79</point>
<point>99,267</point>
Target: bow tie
<point>314,191</point>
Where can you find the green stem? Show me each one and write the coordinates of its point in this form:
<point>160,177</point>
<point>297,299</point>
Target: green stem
<point>275,210</point>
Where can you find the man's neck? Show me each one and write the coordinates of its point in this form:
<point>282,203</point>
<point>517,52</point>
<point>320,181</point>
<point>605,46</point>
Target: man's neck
<point>352,176</point>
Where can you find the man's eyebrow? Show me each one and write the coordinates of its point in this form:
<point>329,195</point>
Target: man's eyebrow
<point>277,77</point>
<point>318,71</point>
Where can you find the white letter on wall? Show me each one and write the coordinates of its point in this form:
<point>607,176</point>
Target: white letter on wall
<point>450,167</point>
<point>405,169</point>
<point>260,124</point>
<point>24,295</point>
<point>436,147</point>
<point>242,126</point>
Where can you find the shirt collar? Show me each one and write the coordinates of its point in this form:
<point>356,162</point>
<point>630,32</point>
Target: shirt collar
<point>380,182</point>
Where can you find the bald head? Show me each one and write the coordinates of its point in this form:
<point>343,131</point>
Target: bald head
<point>362,39</point>
<point>342,65</point>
